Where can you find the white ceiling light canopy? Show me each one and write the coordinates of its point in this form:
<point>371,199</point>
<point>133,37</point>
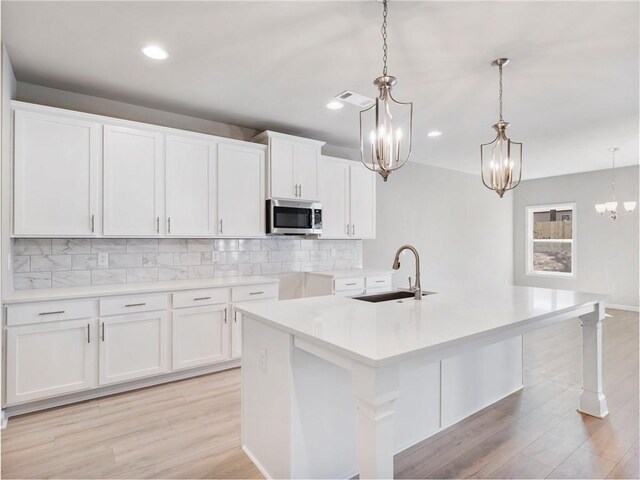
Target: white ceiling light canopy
<point>155,52</point>
<point>335,105</point>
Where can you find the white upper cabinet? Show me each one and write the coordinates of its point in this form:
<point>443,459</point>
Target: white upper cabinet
<point>363,201</point>
<point>348,195</point>
<point>133,190</point>
<point>293,166</point>
<point>240,186</point>
<point>57,164</point>
<point>334,193</point>
<point>190,181</point>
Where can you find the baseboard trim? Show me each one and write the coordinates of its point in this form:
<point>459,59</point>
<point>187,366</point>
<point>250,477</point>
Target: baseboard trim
<point>255,461</point>
<point>628,308</point>
<point>20,409</point>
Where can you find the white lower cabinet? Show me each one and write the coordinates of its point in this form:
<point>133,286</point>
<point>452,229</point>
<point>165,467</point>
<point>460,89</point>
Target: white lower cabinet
<point>200,336</point>
<point>133,346</point>
<point>48,359</point>
<point>236,334</point>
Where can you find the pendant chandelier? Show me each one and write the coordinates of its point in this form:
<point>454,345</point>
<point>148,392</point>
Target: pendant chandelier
<point>389,123</point>
<point>612,206</point>
<point>501,159</point>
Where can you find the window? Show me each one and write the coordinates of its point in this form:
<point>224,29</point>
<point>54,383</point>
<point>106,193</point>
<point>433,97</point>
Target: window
<point>551,240</point>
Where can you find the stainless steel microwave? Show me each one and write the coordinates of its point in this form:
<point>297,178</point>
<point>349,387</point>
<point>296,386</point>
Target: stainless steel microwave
<point>292,217</point>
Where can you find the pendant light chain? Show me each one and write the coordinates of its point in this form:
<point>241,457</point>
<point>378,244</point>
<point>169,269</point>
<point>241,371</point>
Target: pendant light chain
<point>613,173</point>
<point>384,38</point>
<point>500,91</point>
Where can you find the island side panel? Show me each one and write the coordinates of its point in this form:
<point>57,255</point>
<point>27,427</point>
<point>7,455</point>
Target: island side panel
<point>476,379</point>
<point>266,397</point>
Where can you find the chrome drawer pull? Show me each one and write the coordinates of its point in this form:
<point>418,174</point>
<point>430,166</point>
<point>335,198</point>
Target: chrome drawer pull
<point>103,331</point>
<point>50,313</point>
<point>350,284</point>
<point>88,333</point>
<point>256,293</point>
<point>380,281</point>
<point>203,298</point>
<point>135,305</point>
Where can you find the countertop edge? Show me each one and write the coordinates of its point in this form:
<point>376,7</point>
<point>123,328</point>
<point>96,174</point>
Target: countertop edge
<point>69,293</point>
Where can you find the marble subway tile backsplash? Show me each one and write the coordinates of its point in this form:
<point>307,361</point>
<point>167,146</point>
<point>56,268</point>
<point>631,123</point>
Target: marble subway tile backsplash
<point>61,262</point>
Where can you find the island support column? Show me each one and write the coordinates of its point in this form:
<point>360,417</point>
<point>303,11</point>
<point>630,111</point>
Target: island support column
<point>592,400</point>
<point>376,390</point>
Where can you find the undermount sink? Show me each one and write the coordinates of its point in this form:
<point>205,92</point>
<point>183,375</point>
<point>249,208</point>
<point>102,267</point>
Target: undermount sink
<point>387,297</point>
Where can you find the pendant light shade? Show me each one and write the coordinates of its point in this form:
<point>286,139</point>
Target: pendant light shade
<point>501,159</point>
<point>612,206</point>
<point>386,126</point>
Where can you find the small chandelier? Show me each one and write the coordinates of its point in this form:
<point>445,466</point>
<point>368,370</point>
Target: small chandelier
<point>498,158</point>
<point>386,149</point>
<point>612,207</point>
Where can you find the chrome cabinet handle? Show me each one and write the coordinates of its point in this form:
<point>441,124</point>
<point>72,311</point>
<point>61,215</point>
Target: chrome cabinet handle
<point>168,224</point>
<point>295,190</point>
<point>235,316</point>
<point>135,304</point>
<point>348,229</point>
<point>202,298</point>
<point>42,314</point>
<point>353,229</point>
<point>351,284</point>
<point>88,333</point>
<point>103,331</point>
<point>220,226</point>
<point>225,315</point>
<point>300,190</point>
<point>93,223</point>
<point>157,224</point>
<point>256,293</point>
<point>380,281</point>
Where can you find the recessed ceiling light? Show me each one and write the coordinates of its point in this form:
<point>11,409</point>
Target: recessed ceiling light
<point>334,105</point>
<point>155,52</point>
<point>434,133</point>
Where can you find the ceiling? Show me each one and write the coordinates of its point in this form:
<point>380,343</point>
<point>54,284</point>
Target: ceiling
<point>571,90</point>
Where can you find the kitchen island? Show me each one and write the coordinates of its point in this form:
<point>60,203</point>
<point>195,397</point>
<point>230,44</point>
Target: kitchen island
<point>333,387</point>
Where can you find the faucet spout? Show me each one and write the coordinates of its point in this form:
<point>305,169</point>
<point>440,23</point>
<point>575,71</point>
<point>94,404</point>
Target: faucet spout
<point>416,289</point>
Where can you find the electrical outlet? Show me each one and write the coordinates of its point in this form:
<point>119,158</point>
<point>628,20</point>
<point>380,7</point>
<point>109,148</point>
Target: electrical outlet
<point>215,257</point>
<point>103,259</point>
<point>263,359</point>
<point>333,253</point>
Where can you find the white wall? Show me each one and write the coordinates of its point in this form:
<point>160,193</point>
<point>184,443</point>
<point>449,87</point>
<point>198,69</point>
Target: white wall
<point>607,251</point>
<point>462,231</point>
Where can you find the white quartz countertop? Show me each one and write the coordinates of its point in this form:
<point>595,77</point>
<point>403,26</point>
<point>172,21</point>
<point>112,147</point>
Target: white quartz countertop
<point>48,294</point>
<point>355,272</point>
<point>377,333</point>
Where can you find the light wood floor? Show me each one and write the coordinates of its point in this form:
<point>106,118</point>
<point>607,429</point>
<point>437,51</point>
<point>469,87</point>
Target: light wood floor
<point>191,428</point>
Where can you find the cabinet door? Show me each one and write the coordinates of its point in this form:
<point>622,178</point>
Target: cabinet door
<point>241,199</point>
<point>281,159</point>
<point>363,202</point>
<point>306,171</point>
<point>57,161</point>
<point>236,334</point>
<point>200,336</point>
<point>49,359</point>
<point>190,187</point>
<point>133,346</point>
<point>334,194</point>
<point>132,181</point>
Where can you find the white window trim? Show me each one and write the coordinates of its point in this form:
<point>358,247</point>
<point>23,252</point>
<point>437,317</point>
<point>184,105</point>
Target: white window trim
<point>529,239</point>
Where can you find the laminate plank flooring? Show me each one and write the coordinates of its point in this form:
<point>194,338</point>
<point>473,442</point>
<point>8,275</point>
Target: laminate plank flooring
<point>191,428</point>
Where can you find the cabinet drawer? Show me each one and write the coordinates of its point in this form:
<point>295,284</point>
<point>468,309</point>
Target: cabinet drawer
<point>195,298</point>
<point>382,281</point>
<point>133,304</point>
<point>48,312</point>
<point>349,284</point>
<point>255,292</point>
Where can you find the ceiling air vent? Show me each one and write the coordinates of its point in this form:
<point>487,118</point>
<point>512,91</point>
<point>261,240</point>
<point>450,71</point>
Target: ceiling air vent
<point>355,99</point>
